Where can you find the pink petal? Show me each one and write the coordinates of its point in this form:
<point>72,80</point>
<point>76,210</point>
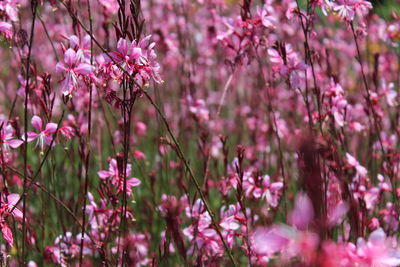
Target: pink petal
<point>136,53</point>
<point>48,139</point>
<point>73,41</point>
<point>337,214</point>
<point>6,29</point>
<point>7,234</point>
<point>67,84</point>
<point>229,223</point>
<point>351,160</point>
<point>12,199</point>
<point>32,136</point>
<point>37,123</point>
<point>361,170</point>
<point>268,241</point>
<point>113,166</point>
<point>257,193</point>
<point>143,43</point>
<point>276,186</point>
<point>133,182</point>
<point>209,232</point>
<point>5,26</point>
<point>12,12</point>
<point>274,56</point>
<point>50,128</point>
<point>128,169</point>
<point>338,118</point>
<point>122,46</point>
<point>377,237</point>
<point>70,57</point>
<point>60,67</point>
<point>303,211</point>
<point>266,181</point>
<point>301,66</point>
<point>284,70</point>
<point>8,132</point>
<point>84,69</point>
<point>17,214</point>
<point>15,143</point>
<point>104,174</point>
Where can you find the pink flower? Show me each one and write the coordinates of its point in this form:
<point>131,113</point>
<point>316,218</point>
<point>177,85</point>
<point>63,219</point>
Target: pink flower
<point>362,171</point>
<point>232,221</point>
<point>337,213</point>
<point>7,233</point>
<point>65,244</point>
<point>139,155</point>
<point>262,187</point>
<point>6,137</point>
<point>117,177</point>
<point>198,108</point>
<point>286,240</point>
<point>6,29</point>
<point>200,233</point>
<point>82,46</point>
<point>286,62</point>
<point>390,216</point>
<point>347,9</point>
<point>268,241</point>
<point>377,251</point>
<point>140,128</point>
<point>8,208</point>
<point>388,90</point>
<point>338,102</point>
<point>265,14</point>
<point>303,212</point>
<point>110,5</point>
<point>344,11</point>
<point>73,69</point>
<point>137,59</point>
<point>44,137</point>
<point>383,185</point>
<point>11,8</point>
<point>138,248</point>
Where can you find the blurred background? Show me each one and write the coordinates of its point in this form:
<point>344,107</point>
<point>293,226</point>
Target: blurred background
<point>385,7</point>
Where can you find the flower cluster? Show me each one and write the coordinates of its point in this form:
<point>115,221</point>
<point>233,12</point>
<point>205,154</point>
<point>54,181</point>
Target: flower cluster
<point>199,133</point>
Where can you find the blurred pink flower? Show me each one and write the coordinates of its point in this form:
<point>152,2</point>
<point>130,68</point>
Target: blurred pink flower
<point>117,177</point>
<point>7,138</point>
<point>44,136</point>
<point>377,251</point>
<point>10,7</point>
<point>72,68</point>
<point>303,212</point>
<point>362,171</point>
<point>6,29</point>
<point>8,208</point>
<point>347,9</point>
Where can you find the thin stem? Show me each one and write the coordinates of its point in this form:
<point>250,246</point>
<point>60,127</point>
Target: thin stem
<point>34,4</point>
<point>48,37</point>
<point>87,159</point>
